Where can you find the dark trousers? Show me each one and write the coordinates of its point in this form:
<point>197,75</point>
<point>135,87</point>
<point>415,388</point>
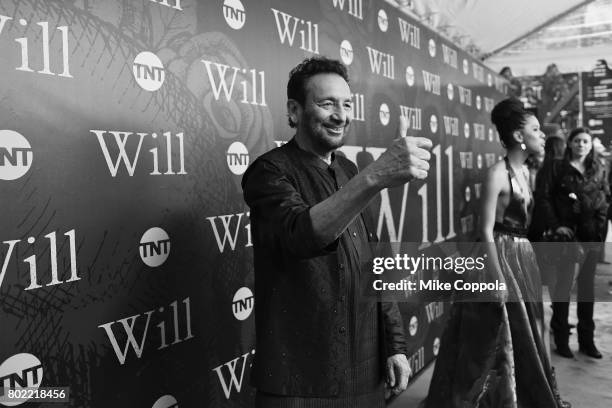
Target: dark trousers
<point>586,295</point>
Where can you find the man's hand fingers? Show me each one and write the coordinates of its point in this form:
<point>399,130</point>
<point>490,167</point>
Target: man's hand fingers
<point>403,126</point>
<point>421,153</point>
<point>403,381</point>
<point>390,375</point>
<point>422,142</point>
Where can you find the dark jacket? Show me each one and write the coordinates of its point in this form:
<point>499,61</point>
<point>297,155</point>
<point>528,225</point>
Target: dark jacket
<point>564,197</point>
<point>301,307</point>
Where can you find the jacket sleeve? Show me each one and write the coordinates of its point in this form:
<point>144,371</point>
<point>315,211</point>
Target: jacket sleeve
<point>281,211</point>
<point>395,340</point>
<point>544,196</point>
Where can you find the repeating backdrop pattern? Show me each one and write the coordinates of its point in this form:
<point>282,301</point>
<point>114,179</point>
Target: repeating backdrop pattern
<point>125,128</point>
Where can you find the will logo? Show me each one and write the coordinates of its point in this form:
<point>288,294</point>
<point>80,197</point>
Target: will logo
<point>287,26</point>
<point>234,14</point>
<point>431,82</point>
<point>20,371</point>
<point>53,258</point>
<point>154,247</point>
<point>346,52</point>
<point>465,95</point>
<point>383,20</point>
<point>410,34</point>
<point>45,38</point>
<point>129,332</point>
<point>253,93</point>
<point>122,139</point>
<point>467,194</point>
<point>230,230</point>
<point>231,374</point>
<point>383,114</point>
<point>382,63</point>
<point>434,311</point>
<point>449,55</point>
<point>243,303</point>
<point>451,125</point>
<point>237,158</point>
<point>167,401</point>
<point>413,116</point>
<point>478,72</point>
<point>355,7</point>
<point>358,107</point>
<point>16,155</point>
<point>148,71</point>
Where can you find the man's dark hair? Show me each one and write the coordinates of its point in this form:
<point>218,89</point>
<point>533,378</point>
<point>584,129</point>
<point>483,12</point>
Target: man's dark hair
<point>296,87</point>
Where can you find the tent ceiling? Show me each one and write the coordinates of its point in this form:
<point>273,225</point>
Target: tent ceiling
<point>524,34</point>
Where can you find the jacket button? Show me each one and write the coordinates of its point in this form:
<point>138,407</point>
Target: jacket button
<point>342,330</point>
<point>354,234</point>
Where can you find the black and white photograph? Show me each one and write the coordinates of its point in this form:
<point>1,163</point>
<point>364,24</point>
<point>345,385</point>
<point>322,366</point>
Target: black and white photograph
<point>305,204</point>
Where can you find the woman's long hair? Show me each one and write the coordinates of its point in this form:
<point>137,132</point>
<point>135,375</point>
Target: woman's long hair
<point>591,163</point>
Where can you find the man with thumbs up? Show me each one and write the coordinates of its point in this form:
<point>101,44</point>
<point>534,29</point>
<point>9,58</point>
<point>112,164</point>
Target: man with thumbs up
<point>317,345</point>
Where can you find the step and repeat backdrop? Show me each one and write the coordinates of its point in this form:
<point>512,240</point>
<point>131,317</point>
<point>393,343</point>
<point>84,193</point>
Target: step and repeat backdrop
<point>125,128</point>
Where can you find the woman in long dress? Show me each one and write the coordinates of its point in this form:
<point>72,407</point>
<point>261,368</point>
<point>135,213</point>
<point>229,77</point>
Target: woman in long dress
<point>492,353</point>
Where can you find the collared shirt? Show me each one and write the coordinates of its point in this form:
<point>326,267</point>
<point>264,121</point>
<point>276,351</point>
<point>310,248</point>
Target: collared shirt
<point>313,336</point>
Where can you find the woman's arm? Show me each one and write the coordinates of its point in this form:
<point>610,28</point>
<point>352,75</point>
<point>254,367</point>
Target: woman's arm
<point>496,178</point>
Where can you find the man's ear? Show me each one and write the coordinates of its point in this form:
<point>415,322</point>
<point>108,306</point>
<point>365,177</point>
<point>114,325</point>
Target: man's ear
<point>293,112</point>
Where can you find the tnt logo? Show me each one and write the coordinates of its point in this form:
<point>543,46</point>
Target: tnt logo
<point>234,14</point>
<point>237,158</point>
<point>432,48</point>
<point>154,247</point>
<point>489,80</point>
<point>433,124</point>
<point>167,401</point>
<point>466,67</point>
<point>20,371</point>
<point>148,71</point>
<point>478,102</point>
<point>346,52</point>
<point>409,76</point>
<point>490,135</point>
<point>479,161</point>
<point>450,92</point>
<point>243,303</point>
<point>466,130</point>
<point>383,114</point>
<point>468,194</point>
<point>436,346</point>
<point>413,326</point>
<point>15,155</point>
<point>383,20</point>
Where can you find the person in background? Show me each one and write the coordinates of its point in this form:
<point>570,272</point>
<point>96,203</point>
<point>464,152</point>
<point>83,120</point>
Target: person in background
<point>572,194</point>
<point>514,85</point>
<point>492,354</point>
<point>604,158</point>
